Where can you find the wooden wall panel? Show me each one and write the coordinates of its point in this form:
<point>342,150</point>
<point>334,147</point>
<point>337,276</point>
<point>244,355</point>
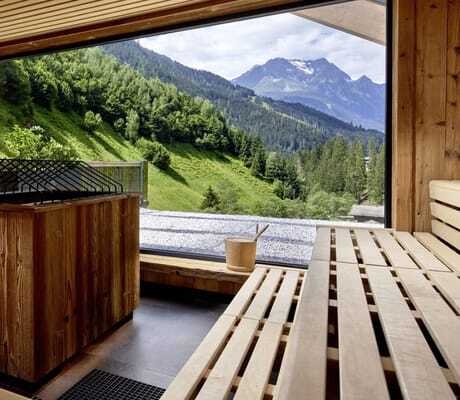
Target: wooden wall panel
<point>67,275</point>
<point>426,136</point>
<point>16,295</point>
<point>403,114</point>
<point>453,89</point>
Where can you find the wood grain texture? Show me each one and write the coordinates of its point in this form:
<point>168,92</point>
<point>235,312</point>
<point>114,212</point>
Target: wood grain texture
<point>219,382</point>
<point>426,120</point>
<point>65,279</point>
<point>48,26</point>
<point>194,274</point>
<point>446,214</point>
<point>304,366</point>
<point>404,83</point>
<point>440,320</point>
<point>370,253</point>
<point>344,249</point>
<point>361,372</point>
<point>448,256</point>
<point>416,367</point>
<point>322,245</point>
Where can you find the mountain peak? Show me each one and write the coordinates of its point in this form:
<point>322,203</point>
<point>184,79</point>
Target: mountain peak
<point>365,78</point>
<point>319,84</point>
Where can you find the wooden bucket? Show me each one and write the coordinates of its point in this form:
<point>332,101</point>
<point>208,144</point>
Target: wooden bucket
<point>240,254</point>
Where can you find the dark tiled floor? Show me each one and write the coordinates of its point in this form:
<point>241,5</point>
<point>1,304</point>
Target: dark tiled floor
<point>165,330</point>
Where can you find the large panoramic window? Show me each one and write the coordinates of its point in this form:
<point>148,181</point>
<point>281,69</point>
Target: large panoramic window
<point>275,120</point>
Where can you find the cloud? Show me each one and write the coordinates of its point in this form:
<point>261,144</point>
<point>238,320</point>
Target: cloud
<point>230,49</point>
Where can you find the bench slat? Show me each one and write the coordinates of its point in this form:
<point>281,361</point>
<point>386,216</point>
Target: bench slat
<point>322,245</point>
<point>450,235</point>
<point>440,250</point>
<point>244,295</point>
<point>393,250</point>
<point>361,372</point>
<point>443,324</point>
<point>264,296</point>
<point>446,191</point>
<point>219,382</point>
<point>446,214</point>
<point>183,386</point>
<point>303,371</point>
<point>257,373</point>
<point>282,305</point>
<point>370,253</point>
<point>418,372</point>
<point>344,246</point>
<point>449,286</point>
<point>420,254</point>
<point>4,395</point>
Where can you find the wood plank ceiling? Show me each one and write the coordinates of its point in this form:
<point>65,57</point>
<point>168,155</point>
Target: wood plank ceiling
<point>31,26</point>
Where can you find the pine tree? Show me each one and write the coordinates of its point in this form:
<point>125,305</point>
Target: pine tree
<point>356,171</point>
<point>258,163</point>
<point>371,171</point>
<point>210,200</point>
<point>132,125</point>
<point>376,194</point>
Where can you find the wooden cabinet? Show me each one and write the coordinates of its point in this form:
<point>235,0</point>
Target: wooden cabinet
<point>68,273</point>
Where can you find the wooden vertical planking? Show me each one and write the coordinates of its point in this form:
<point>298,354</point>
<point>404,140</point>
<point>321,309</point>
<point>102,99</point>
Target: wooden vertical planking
<point>61,280</point>
<point>70,268</point>
<point>116,261</point>
<point>430,102</point>
<point>16,295</point>
<point>83,281</point>
<point>21,323</point>
<point>50,294</point>
<point>452,149</point>
<point>403,114</point>
<point>3,292</point>
<point>426,120</point>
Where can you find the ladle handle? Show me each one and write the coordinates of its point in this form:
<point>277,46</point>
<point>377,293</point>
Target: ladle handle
<point>260,232</point>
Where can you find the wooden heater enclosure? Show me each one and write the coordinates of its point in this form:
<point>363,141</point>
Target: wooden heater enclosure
<point>68,273</point>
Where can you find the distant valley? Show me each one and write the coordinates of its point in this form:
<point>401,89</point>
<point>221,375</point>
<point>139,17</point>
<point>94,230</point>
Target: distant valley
<point>282,124</point>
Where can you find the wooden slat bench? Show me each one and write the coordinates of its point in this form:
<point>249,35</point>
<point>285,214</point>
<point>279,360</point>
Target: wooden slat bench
<point>375,316</point>
<point>350,329</point>
<point>396,311</point>
<point>242,353</point>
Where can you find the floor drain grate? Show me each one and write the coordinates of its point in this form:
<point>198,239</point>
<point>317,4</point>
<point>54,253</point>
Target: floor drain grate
<point>101,385</point>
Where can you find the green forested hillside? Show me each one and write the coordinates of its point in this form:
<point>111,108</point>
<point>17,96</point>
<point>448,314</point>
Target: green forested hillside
<point>179,188</point>
<point>281,125</point>
<point>85,104</point>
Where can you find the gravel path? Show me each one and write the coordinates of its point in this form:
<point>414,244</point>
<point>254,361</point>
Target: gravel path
<point>286,240</point>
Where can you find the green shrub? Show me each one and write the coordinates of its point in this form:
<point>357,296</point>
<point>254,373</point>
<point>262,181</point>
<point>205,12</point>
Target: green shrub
<point>154,152</point>
<point>328,205</point>
<point>35,143</point>
<point>119,125</point>
<point>92,121</point>
<point>271,208</point>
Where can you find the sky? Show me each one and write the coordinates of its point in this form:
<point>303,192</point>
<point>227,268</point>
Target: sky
<point>233,48</point>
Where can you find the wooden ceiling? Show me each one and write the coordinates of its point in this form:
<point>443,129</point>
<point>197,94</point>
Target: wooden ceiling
<point>32,26</point>
<point>363,18</point>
